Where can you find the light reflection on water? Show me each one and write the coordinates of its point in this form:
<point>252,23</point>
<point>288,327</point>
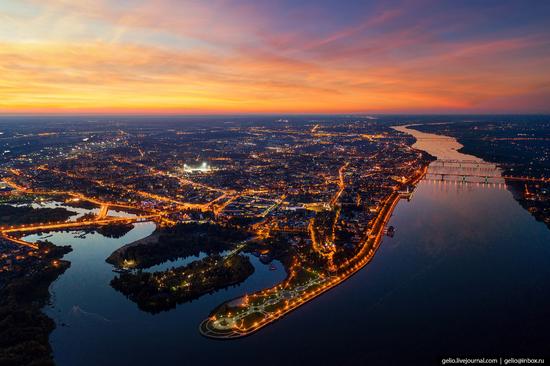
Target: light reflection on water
<point>467,273</point>
<point>175,263</point>
<point>91,315</point>
<point>79,211</point>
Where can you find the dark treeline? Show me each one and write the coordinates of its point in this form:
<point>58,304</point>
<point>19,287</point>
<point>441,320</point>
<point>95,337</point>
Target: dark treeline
<point>114,230</point>
<point>182,240</point>
<point>10,215</point>
<point>24,328</point>
<point>160,291</point>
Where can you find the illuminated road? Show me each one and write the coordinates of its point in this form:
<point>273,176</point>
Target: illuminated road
<point>4,232</point>
<point>271,304</point>
<point>63,225</point>
<point>103,212</point>
<point>341,185</point>
<point>180,205</point>
<point>74,195</point>
<point>326,247</point>
<point>101,218</point>
<point>18,241</point>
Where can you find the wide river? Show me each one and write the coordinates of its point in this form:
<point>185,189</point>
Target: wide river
<point>467,273</point>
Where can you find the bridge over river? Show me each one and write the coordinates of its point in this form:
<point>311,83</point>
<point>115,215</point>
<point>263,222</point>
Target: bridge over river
<point>471,171</point>
<point>453,166</point>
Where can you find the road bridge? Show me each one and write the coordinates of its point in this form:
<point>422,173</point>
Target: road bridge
<point>474,171</point>
<point>442,184</point>
<point>5,232</point>
<point>103,211</point>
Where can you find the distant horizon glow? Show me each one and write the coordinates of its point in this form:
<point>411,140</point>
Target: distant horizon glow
<point>169,57</point>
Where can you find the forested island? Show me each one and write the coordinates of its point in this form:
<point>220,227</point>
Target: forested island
<point>160,291</point>
<point>114,230</point>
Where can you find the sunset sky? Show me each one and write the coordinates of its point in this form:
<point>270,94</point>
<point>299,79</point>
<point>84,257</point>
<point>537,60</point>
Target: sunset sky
<point>210,56</point>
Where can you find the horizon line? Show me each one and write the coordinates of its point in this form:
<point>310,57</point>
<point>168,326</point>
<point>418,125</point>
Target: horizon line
<point>252,114</point>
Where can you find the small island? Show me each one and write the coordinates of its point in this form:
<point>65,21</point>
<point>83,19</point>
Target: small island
<point>114,230</point>
<point>160,291</point>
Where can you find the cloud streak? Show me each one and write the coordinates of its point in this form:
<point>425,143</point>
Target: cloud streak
<point>239,56</point>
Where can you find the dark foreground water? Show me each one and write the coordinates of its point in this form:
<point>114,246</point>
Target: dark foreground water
<point>467,273</point>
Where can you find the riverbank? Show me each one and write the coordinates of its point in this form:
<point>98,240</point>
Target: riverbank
<point>520,152</point>
<point>442,147</point>
<point>25,329</point>
<point>178,241</point>
<point>25,215</point>
<point>274,303</point>
<point>162,291</point>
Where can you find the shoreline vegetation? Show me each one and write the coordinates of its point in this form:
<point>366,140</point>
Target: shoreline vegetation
<point>27,276</point>
<point>24,328</point>
<point>162,291</point>
<point>179,241</point>
<point>24,215</point>
<point>114,230</point>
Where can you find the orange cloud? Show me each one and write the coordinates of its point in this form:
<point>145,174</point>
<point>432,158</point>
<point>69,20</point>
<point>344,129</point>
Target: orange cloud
<point>102,76</point>
<point>168,57</point>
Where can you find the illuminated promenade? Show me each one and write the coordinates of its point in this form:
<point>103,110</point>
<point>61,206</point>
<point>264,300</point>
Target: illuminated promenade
<point>246,315</point>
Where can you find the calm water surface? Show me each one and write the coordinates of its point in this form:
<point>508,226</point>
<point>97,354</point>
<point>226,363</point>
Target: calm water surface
<point>467,273</point>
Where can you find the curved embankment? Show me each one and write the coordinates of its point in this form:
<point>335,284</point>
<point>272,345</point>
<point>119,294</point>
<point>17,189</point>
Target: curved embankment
<point>273,309</point>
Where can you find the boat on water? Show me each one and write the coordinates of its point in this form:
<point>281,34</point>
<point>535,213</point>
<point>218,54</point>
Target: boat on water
<point>390,231</point>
